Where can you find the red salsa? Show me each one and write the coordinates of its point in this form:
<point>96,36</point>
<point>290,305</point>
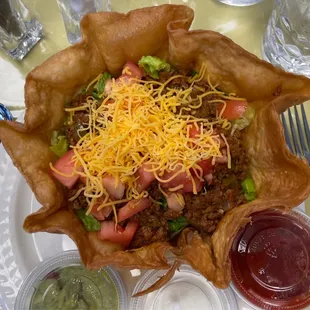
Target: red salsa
<point>270,260</point>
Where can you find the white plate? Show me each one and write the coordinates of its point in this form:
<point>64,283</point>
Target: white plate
<point>20,252</point>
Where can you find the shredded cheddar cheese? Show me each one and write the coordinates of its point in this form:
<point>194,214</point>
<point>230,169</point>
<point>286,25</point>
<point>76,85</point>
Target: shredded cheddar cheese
<point>144,123</point>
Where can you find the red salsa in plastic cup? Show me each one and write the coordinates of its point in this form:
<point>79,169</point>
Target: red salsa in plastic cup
<point>270,260</point>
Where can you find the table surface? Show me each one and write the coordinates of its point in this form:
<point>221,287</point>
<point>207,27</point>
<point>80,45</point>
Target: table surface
<point>244,25</point>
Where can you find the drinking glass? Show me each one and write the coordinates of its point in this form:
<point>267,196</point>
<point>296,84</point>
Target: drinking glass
<point>19,31</point>
<point>240,2</point>
<point>73,10</point>
<point>286,42</point>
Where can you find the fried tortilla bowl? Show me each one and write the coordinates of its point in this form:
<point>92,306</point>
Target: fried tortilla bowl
<point>109,40</point>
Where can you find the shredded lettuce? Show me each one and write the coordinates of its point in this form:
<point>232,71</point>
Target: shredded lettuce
<point>89,221</point>
<point>245,120</point>
<point>153,65</point>
<point>99,86</point>
<point>59,144</point>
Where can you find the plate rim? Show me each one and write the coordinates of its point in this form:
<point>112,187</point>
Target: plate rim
<point>9,272</point>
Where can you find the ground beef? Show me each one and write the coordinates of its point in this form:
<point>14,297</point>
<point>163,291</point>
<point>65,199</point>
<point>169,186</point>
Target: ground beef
<point>203,211</point>
<point>147,235</point>
<point>207,110</point>
<point>180,82</point>
<point>79,120</point>
<point>152,226</point>
<point>151,217</point>
<point>153,221</point>
<point>154,192</point>
<point>80,202</point>
<point>172,215</point>
<point>202,215</point>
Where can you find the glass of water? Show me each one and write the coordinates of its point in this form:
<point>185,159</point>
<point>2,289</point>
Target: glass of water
<point>19,31</point>
<point>286,41</point>
<point>240,2</point>
<point>72,12</point>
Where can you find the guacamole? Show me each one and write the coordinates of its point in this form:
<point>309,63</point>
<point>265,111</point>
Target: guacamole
<point>75,287</point>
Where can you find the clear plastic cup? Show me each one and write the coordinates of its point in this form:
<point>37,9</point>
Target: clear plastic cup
<point>270,260</point>
<point>41,284</point>
<point>188,289</point>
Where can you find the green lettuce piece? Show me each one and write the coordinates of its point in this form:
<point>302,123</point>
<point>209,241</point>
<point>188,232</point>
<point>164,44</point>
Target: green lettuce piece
<point>59,144</point>
<point>153,65</point>
<point>99,86</point>
<point>245,120</point>
<point>54,138</point>
<point>89,221</point>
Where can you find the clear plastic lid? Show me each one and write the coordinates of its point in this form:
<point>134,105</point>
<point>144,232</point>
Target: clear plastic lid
<point>188,289</point>
<point>62,282</point>
<point>270,260</point>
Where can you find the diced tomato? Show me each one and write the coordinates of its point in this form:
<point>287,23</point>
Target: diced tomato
<point>189,188</point>
<point>185,180</point>
<point>132,70</point>
<point>102,214</point>
<point>120,235</point>
<point>145,177</point>
<point>194,130</point>
<point>180,178</point>
<point>234,109</point>
<point>175,202</point>
<point>65,165</point>
<point>129,232</point>
<point>116,191</point>
<point>108,232</point>
<point>133,207</point>
<point>205,165</point>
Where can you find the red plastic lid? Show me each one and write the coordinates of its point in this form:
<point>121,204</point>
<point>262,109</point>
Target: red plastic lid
<point>271,260</point>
